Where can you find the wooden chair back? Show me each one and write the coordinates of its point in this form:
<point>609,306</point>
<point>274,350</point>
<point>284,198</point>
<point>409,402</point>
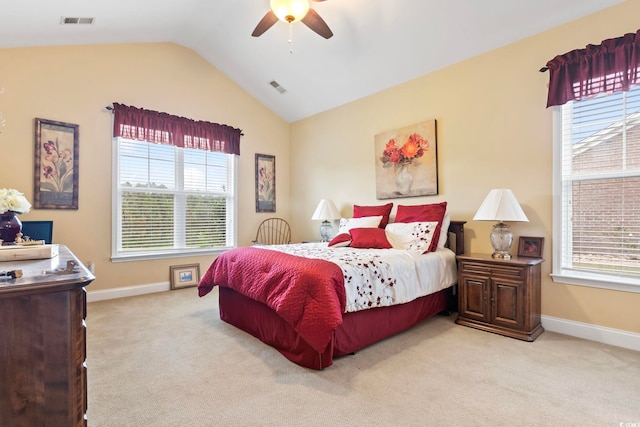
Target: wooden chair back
<point>273,231</point>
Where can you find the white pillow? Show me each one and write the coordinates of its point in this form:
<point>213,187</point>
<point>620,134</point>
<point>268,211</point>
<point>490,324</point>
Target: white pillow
<point>347,224</point>
<point>414,236</point>
<point>444,230</point>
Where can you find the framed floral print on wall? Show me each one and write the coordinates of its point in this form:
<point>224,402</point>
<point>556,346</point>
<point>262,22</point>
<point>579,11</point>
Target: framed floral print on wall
<point>56,165</point>
<point>265,183</point>
<point>407,161</point>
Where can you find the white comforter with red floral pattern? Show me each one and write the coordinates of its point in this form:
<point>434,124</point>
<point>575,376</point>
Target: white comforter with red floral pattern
<point>382,277</point>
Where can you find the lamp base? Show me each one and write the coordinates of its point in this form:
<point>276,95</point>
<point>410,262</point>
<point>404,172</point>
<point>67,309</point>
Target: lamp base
<point>325,231</point>
<point>501,240</point>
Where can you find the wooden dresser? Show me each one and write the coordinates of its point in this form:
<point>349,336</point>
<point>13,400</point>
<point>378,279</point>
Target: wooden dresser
<point>500,296</point>
<point>43,377</point>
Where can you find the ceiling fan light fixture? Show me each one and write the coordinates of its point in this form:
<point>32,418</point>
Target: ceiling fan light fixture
<point>290,10</point>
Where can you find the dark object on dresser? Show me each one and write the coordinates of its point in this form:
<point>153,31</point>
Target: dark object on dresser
<point>38,230</point>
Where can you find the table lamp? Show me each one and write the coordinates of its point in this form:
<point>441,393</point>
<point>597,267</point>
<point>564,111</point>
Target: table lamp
<point>326,211</point>
<point>500,205</point>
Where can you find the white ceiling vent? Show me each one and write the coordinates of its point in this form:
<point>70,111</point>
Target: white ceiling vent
<point>277,86</point>
<point>67,20</point>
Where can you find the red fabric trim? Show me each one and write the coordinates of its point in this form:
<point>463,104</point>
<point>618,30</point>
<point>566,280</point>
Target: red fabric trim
<point>162,128</point>
<point>365,327</point>
<point>612,66</point>
<point>358,329</point>
<point>263,323</point>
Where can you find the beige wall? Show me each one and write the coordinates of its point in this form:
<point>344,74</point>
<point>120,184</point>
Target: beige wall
<point>75,84</point>
<point>493,131</point>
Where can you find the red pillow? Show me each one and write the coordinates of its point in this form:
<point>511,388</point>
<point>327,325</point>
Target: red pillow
<point>384,210</point>
<point>424,213</point>
<point>342,239</point>
<point>369,238</point>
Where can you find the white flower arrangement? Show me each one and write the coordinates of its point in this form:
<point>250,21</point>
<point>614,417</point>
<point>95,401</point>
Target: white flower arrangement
<point>14,201</point>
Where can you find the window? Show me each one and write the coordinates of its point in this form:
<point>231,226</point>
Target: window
<point>597,191</point>
<point>171,201</point>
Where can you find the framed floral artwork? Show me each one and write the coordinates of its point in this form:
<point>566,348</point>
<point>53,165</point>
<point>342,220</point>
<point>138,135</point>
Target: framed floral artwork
<point>56,165</point>
<point>265,183</point>
<point>407,162</point>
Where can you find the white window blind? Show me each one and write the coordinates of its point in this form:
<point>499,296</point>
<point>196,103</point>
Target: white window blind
<point>597,234</point>
<point>172,200</point>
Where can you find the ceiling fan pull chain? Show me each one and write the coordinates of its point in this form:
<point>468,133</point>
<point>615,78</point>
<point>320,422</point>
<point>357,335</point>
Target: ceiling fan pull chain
<point>291,38</point>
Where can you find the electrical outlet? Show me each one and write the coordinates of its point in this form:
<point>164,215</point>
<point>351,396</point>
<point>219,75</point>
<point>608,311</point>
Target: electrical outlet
<point>91,267</point>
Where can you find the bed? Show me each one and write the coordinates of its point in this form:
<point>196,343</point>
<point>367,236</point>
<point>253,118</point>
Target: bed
<point>299,299</point>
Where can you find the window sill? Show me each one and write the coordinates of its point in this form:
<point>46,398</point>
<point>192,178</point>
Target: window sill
<point>178,253</point>
<point>602,281</point>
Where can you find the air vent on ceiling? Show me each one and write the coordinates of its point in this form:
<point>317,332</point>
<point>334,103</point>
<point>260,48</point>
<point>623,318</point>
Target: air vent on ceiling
<point>277,86</point>
<point>68,20</point>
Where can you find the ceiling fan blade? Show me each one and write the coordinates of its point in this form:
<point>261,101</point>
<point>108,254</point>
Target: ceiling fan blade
<point>265,23</point>
<point>317,24</point>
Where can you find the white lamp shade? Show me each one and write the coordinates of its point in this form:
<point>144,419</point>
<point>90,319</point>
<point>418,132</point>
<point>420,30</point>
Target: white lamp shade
<point>326,210</point>
<point>500,205</point>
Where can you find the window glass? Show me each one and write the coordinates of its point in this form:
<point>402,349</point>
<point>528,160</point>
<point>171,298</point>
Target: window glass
<point>172,200</point>
<point>597,176</point>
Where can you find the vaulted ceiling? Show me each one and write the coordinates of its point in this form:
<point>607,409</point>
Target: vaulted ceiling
<point>376,44</point>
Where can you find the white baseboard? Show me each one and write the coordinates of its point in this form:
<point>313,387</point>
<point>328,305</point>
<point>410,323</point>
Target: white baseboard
<point>127,291</point>
<point>616,337</point>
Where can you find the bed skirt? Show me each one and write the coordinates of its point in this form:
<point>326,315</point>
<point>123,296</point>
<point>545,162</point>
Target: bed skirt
<point>358,329</point>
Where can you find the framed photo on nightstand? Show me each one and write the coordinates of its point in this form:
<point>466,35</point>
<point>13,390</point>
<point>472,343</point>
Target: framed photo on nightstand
<point>530,247</point>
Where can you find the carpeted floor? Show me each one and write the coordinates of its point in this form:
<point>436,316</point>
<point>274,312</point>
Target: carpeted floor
<point>167,359</point>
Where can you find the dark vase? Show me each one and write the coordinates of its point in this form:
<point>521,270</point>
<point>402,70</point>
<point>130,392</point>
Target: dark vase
<point>10,226</point>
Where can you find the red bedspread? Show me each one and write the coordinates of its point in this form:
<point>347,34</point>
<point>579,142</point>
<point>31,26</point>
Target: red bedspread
<point>307,293</point>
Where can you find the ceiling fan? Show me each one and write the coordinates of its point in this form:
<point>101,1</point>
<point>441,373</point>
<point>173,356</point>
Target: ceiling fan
<point>293,11</point>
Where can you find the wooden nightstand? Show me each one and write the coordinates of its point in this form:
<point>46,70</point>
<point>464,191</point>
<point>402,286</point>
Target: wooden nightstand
<point>500,296</point>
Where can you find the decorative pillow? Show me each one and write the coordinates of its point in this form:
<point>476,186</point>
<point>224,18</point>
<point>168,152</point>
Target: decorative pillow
<point>414,236</point>
<point>424,213</point>
<point>384,210</point>
<point>444,230</point>
<point>347,224</point>
<point>369,238</point>
<point>341,240</point>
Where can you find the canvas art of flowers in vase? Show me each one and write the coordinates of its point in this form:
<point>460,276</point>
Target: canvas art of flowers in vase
<point>12,204</point>
<point>400,157</point>
<point>406,163</point>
